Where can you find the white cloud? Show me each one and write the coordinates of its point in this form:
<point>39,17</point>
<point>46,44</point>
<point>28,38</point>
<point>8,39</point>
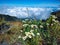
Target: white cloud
<point>22,12</point>
<point>58,8</point>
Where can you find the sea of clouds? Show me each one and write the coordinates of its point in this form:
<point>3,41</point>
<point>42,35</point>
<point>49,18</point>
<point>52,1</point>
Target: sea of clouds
<point>28,12</point>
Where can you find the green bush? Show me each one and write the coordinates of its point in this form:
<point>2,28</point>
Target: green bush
<point>38,32</point>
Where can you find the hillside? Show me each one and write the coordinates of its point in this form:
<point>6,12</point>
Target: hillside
<point>57,13</point>
<point>8,18</point>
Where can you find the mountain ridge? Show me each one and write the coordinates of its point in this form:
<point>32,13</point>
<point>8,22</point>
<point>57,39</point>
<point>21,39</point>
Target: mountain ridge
<point>8,17</point>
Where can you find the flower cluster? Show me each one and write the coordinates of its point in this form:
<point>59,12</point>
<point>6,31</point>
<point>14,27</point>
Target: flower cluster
<point>35,30</point>
<point>54,16</point>
<point>32,26</point>
<point>24,25</point>
<point>54,19</point>
<point>29,34</point>
<point>41,26</point>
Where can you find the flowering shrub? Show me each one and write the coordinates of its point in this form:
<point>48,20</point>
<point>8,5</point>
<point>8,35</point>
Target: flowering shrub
<point>32,32</point>
<point>38,32</point>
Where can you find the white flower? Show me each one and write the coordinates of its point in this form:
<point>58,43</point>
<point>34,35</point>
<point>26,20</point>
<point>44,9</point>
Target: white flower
<point>27,33</point>
<point>36,26</point>
<point>31,30</point>
<point>32,26</point>
<point>19,36</point>
<point>21,31</point>
<point>30,36</point>
<point>24,38</point>
<point>54,16</point>
<point>47,24</point>
<point>56,21</point>
<point>51,24</point>
<point>25,25</point>
<point>38,34</point>
<point>41,26</point>
<point>53,20</point>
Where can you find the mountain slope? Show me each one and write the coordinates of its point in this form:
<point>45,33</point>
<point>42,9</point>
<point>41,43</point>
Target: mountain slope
<point>56,13</point>
<point>8,18</point>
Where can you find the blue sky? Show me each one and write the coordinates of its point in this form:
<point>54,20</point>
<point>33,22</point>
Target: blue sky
<point>31,3</point>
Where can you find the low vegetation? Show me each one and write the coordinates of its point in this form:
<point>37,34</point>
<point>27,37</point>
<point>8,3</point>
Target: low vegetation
<point>38,32</point>
<point>33,32</point>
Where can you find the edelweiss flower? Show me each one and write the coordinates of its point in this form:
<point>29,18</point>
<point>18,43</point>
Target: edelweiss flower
<point>53,20</point>
<point>56,21</point>
<point>27,33</point>
<point>30,36</point>
<point>38,34</point>
<point>31,30</point>
<point>47,24</point>
<point>21,31</point>
<point>54,16</point>
<point>32,26</point>
<point>51,24</point>
<point>24,38</point>
<point>25,25</point>
<point>41,26</point>
<point>19,36</point>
